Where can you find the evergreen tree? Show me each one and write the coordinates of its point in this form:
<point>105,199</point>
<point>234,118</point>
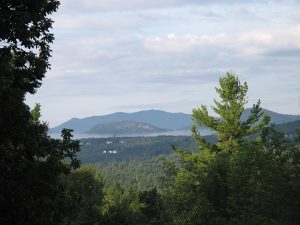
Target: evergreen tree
<point>202,191</point>
<point>229,128</point>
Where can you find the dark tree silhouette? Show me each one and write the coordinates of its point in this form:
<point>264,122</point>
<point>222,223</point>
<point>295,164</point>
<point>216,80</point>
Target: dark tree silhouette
<point>30,161</point>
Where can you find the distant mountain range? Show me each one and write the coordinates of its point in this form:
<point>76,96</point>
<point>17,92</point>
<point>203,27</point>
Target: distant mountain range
<point>156,120</point>
<point>160,119</point>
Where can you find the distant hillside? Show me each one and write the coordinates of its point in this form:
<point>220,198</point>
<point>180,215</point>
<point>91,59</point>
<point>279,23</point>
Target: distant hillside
<point>95,150</point>
<point>276,118</point>
<point>124,128</point>
<point>161,119</point>
<point>288,128</point>
<point>110,149</point>
<point>157,118</point>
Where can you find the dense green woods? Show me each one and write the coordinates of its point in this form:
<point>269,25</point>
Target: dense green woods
<point>95,150</point>
<point>233,179</point>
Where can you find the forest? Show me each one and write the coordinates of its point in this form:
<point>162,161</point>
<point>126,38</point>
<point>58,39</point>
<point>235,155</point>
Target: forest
<point>247,174</point>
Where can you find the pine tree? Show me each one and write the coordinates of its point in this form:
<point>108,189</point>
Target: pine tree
<point>229,128</point>
<point>201,187</point>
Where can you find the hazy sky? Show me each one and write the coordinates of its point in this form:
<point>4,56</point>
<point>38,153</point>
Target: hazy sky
<point>130,55</point>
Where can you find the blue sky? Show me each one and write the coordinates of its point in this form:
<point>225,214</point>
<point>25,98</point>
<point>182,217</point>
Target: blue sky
<point>130,55</point>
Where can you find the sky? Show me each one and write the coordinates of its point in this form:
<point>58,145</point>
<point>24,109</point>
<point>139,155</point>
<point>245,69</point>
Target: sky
<point>131,55</point>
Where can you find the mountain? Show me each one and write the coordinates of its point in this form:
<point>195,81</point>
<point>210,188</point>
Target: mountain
<point>157,118</point>
<point>124,128</point>
<point>161,119</point>
<point>276,118</point>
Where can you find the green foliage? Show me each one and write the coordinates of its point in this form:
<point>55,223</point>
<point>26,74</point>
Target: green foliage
<point>83,190</point>
<point>36,113</point>
<point>30,175</point>
<point>25,40</point>
<point>132,207</point>
<point>70,148</point>
<point>229,128</point>
<point>31,162</point>
<point>140,174</point>
<point>257,184</point>
<point>122,206</point>
<point>151,206</point>
<point>237,181</point>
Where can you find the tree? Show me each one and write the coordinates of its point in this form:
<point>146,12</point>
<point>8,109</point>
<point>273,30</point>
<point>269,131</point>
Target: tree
<point>238,180</point>
<point>151,206</point>
<point>31,163</point>
<point>24,54</point>
<point>229,128</point>
<point>202,191</point>
<point>122,206</point>
<point>83,189</point>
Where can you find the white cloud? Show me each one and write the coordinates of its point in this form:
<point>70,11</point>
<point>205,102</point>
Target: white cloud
<point>180,44</point>
<point>267,41</point>
<point>250,43</point>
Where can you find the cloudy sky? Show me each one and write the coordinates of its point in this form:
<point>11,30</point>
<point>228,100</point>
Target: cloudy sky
<point>130,55</point>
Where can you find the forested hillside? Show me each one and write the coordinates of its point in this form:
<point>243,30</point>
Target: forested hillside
<point>140,174</point>
<point>95,150</point>
<point>124,128</point>
<point>289,129</point>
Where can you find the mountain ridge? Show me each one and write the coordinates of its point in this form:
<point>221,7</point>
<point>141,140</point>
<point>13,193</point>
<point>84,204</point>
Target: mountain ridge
<point>158,118</point>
